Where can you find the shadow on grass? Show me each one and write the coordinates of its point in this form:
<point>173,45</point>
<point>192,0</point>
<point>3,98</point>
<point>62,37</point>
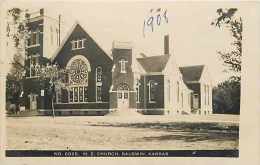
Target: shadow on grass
<point>188,132</point>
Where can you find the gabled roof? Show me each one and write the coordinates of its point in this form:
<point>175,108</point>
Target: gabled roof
<point>154,63</point>
<point>68,36</point>
<point>192,73</point>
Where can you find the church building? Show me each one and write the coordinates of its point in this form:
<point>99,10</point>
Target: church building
<point>98,83</point>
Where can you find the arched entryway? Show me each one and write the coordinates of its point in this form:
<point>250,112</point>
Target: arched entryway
<point>123,96</point>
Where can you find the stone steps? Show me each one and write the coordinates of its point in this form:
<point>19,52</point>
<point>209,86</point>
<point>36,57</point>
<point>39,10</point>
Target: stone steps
<point>124,112</point>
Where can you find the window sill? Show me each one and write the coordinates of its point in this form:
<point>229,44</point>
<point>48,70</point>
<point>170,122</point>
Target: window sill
<point>77,48</point>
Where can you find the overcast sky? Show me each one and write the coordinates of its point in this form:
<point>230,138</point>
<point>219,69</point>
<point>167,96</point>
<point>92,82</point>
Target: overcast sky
<point>193,40</point>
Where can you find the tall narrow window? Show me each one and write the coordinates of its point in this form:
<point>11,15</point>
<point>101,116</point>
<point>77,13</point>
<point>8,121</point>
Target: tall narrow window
<point>34,65</point>
<point>81,95</point>
<point>205,94</point>
<point>208,94</point>
<point>122,65</point>
<point>152,90</point>
<point>99,84</point>
<point>178,91</point>
<point>137,91</point>
<point>34,39</point>
<point>182,99</point>
<point>169,91</point>
<point>85,94</point>
<point>71,95</point>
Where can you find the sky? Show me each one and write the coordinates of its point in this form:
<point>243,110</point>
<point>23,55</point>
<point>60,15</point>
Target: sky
<point>193,41</point>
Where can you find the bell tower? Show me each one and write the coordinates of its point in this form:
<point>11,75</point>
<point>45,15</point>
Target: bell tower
<point>122,93</point>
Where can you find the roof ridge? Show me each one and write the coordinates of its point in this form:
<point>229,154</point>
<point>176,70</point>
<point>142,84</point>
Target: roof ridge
<point>192,66</point>
<point>152,57</point>
<point>69,32</point>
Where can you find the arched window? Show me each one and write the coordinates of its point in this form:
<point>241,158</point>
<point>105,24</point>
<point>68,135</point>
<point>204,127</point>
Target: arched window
<point>152,90</point>
<point>78,68</point>
<point>99,84</point>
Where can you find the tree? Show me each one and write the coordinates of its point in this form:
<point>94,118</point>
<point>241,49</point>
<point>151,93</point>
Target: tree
<point>16,33</point>
<point>226,18</point>
<point>226,97</point>
<point>55,77</point>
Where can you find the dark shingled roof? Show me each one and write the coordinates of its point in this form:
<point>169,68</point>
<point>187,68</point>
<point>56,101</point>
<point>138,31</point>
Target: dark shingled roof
<point>192,73</point>
<point>154,63</point>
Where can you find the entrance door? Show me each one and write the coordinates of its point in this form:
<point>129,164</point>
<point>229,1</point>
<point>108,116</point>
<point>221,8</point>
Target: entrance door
<point>33,102</point>
<point>123,96</point>
<point>123,99</point>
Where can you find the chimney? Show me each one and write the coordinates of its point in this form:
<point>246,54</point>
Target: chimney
<point>41,11</point>
<point>166,45</point>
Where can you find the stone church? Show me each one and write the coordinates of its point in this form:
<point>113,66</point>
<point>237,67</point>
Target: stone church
<point>99,83</point>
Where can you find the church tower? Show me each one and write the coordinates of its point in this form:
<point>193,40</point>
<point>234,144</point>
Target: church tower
<point>122,92</point>
<point>43,39</point>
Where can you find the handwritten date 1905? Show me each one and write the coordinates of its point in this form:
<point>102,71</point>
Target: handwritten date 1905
<point>156,18</point>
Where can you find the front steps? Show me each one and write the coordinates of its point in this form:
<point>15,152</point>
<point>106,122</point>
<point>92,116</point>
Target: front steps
<point>124,112</point>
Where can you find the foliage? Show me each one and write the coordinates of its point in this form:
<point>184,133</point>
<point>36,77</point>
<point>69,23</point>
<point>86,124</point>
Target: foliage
<point>16,34</point>
<point>226,18</point>
<point>54,75</point>
<point>16,26</point>
<point>226,97</point>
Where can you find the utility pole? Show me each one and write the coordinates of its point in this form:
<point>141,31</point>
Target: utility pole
<point>59,28</point>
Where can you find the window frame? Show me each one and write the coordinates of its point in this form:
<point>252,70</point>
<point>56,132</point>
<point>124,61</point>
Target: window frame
<point>75,44</point>
<point>122,63</point>
<point>30,39</point>
<point>99,84</point>
<point>150,85</point>
<point>138,91</point>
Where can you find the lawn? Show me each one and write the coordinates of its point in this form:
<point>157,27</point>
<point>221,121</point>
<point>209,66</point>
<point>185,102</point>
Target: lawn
<point>115,132</point>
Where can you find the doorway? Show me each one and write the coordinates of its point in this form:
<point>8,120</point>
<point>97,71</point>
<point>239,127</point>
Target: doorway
<point>123,97</point>
<point>33,101</point>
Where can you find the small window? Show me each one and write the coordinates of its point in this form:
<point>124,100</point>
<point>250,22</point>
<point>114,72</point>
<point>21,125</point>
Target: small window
<point>78,44</point>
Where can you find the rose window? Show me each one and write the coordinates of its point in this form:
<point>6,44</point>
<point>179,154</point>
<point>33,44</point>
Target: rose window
<point>78,72</point>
